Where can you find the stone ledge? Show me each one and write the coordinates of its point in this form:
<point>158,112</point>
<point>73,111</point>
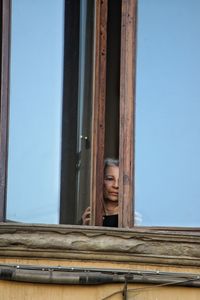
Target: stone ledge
<point>141,245</point>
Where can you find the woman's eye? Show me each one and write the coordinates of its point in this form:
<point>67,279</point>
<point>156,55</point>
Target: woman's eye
<point>109,178</point>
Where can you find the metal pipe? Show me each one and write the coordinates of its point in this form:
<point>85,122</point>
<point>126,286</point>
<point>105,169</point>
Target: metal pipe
<point>36,274</point>
<point>57,277</point>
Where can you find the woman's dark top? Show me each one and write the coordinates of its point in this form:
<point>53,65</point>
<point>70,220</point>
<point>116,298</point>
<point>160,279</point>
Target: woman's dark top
<point>110,221</point>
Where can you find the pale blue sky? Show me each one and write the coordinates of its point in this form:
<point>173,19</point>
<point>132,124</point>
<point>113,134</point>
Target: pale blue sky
<point>168,112</point>
<point>35,110</point>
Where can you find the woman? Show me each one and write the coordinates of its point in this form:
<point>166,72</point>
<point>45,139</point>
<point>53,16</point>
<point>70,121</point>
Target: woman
<point>110,194</point>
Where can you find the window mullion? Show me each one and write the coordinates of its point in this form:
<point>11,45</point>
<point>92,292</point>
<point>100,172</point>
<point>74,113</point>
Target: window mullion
<point>98,129</point>
<point>127,112</point>
<point>4,88</point>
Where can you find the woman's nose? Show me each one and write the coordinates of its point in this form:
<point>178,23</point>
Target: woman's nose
<point>116,183</point>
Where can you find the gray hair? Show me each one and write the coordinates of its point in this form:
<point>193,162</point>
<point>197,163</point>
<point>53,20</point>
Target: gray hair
<point>110,162</point>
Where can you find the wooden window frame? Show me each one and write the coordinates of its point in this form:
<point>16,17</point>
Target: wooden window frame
<point>126,115</point>
<point>4,106</point>
<point>127,121</point>
<point>127,112</point>
<point>99,113</point>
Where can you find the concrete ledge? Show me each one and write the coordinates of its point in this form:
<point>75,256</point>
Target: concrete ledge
<point>141,245</point>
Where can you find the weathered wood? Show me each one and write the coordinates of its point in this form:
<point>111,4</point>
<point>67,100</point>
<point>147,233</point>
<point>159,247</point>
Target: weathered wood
<point>127,107</point>
<point>91,243</point>
<point>98,122</point>
<point>4,106</point>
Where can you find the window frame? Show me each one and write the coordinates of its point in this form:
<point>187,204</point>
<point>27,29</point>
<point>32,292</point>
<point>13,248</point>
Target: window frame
<point>126,118</point>
<point>69,110</point>
<point>127,113</point>
<point>4,104</point>
<point>98,121</point>
<point>127,123</point>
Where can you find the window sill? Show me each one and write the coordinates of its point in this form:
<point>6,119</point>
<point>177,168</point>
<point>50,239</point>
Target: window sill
<point>139,245</point>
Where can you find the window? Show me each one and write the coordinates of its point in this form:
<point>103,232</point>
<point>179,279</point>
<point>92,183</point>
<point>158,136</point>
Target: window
<point>99,75</point>
<point>5,25</point>
<point>167,113</point>
<point>36,63</point>
<point>51,67</point>
<point>82,125</point>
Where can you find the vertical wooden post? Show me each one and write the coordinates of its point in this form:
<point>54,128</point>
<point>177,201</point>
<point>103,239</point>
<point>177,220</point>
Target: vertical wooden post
<point>98,122</point>
<point>127,112</point>
<point>4,89</point>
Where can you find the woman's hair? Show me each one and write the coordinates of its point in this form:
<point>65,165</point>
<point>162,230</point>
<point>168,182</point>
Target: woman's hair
<point>110,162</point>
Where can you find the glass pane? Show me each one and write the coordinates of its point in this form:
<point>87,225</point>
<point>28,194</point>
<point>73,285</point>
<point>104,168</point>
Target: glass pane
<point>168,113</point>
<point>35,111</point>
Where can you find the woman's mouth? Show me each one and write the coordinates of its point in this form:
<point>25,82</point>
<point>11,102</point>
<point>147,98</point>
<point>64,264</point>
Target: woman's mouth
<point>114,194</point>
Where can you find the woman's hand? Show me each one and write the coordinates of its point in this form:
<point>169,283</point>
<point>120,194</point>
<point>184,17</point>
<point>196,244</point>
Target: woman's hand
<point>86,216</point>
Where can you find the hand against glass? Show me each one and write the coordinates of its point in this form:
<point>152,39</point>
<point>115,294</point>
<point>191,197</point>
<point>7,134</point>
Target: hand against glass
<point>86,216</point>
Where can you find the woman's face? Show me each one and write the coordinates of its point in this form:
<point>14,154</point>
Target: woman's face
<point>111,183</point>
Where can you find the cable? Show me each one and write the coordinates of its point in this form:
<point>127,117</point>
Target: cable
<point>143,289</point>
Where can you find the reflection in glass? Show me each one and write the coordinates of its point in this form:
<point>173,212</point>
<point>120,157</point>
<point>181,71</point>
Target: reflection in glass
<point>35,111</point>
<point>168,113</point>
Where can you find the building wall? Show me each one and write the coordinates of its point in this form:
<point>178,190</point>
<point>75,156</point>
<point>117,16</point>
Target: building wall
<point>140,250</point>
<point>25,291</point>
<point>20,291</point>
